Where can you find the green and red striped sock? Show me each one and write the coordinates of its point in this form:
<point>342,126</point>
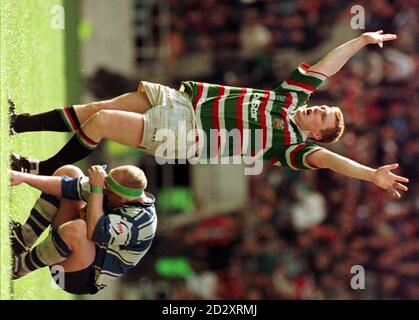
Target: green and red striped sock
<point>59,120</point>
<point>77,148</point>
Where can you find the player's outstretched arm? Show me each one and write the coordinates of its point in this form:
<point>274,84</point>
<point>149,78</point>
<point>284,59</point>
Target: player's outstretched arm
<point>382,177</point>
<point>335,60</point>
<point>46,184</point>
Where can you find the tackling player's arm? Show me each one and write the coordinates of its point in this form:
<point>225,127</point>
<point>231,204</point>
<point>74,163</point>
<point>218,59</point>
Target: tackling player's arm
<point>382,176</point>
<point>335,60</point>
<point>94,212</point>
<point>46,184</point>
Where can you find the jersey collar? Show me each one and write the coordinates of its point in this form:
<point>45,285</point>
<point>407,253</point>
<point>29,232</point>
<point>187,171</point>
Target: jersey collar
<point>304,134</point>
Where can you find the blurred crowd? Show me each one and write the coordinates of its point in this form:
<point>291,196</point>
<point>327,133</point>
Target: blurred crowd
<point>244,35</point>
<point>304,235</point>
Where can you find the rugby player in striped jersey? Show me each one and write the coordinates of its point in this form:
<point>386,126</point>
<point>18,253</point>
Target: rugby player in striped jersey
<point>101,226</point>
<point>271,125</point>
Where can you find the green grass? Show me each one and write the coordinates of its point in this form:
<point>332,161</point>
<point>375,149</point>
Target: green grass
<point>32,69</point>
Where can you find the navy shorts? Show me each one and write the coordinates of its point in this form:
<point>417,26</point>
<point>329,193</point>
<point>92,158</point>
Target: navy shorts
<point>79,282</point>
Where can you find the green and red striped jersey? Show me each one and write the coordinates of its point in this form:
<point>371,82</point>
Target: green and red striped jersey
<point>253,122</point>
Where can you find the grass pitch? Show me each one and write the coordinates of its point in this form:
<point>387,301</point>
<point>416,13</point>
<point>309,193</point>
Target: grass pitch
<point>33,71</point>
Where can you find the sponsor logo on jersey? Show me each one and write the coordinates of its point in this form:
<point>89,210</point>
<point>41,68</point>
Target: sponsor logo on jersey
<point>119,229</point>
<point>254,106</point>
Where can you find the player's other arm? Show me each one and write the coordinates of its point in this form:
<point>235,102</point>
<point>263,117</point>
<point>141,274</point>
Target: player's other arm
<point>382,176</point>
<point>335,60</point>
<point>46,184</point>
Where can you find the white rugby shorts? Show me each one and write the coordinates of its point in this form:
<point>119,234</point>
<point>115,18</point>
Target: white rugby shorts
<point>171,113</point>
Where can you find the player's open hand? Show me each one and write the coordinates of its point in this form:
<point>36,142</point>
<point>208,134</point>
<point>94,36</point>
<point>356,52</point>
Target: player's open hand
<point>390,182</point>
<point>16,178</point>
<point>97,176</point>
<point>378,37</point>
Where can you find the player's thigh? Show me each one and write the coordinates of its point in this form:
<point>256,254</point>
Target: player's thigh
<point>120,126</point>
<point>133,102</point>
<point>83,250</point>
<point>136,102</point>
<point>81,257</point>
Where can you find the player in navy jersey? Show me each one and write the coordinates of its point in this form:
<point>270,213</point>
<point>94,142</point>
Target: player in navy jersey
<point>271,125</point>
<point>101,226</point>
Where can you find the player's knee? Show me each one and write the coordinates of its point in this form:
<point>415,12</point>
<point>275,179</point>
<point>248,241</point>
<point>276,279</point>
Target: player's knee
<point>97,106</point>
<point>74,231</point>
<point>100,120</point>
<point>69,170</point>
